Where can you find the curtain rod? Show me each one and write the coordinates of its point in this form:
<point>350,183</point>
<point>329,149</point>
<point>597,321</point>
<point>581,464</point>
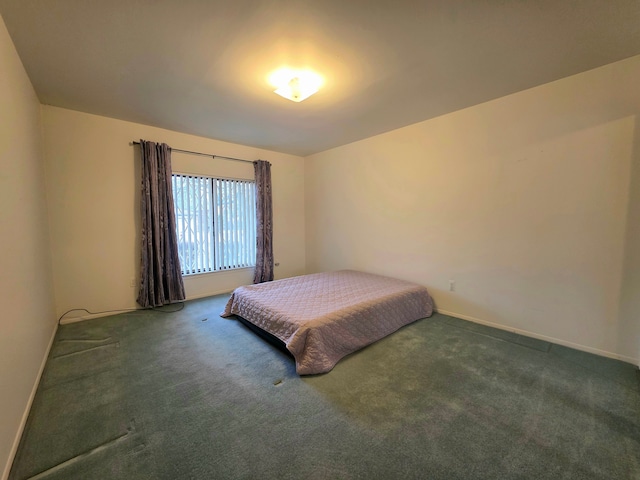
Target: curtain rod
<point>202,154</point>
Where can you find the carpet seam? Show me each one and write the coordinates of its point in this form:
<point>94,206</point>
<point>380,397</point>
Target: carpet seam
<point>85,454</point>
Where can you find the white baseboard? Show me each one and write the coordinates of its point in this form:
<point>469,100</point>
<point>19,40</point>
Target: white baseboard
<point>212,294</point>
<point>66,321</point>
<point>558,341</point>
<point>25,415</point>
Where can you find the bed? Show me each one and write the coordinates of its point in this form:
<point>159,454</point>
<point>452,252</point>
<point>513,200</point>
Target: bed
<point>323,317</point>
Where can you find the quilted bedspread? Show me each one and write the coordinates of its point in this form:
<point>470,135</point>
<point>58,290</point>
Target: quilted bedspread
<point>325,316</point>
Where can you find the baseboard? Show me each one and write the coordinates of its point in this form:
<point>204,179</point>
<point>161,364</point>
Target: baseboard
<point>66,321</point>
<point>25,415</point>
<point>210,294</point>
<point>558,341</point>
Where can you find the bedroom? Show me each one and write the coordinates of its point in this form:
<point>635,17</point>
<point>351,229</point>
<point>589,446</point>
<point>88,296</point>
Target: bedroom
<point>526,202</point>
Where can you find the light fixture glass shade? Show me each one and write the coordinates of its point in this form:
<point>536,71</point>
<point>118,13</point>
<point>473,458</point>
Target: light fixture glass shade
<point>295,85</point>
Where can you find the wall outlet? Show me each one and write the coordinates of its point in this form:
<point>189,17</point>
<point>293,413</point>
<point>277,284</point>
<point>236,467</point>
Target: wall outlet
<point>452,285</point>
<point>132,282</point>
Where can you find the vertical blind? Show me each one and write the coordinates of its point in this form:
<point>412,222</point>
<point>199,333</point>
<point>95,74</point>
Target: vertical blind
<point>215,223</point>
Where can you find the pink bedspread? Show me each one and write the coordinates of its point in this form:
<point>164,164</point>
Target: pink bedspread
<point>325,316</point>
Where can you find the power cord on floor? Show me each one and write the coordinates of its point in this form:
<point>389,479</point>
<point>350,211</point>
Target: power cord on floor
<point>124,310</point>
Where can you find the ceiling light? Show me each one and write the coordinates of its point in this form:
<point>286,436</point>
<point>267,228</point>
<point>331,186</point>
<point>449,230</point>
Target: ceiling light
<point>295,85</point>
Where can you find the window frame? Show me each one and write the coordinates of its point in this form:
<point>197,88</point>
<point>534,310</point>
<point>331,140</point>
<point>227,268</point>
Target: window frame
<point>222,240</point>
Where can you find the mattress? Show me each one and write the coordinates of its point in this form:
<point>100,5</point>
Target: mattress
<point>323,317</point>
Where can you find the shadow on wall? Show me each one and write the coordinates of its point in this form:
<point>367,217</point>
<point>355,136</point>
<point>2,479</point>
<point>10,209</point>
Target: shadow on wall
<point>629,307</point>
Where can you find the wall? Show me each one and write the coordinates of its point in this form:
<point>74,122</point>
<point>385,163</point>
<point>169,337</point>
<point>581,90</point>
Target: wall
<point>629,313</point>
<point>523,201</point>
<point>27,323</point>
<point>93,188</point>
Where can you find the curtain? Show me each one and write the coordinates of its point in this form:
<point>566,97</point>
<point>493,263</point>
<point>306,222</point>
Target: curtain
<point>160,276</point>
<point>264,223</point>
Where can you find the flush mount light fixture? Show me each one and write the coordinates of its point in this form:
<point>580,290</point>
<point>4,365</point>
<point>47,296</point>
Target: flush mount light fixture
<point>295,85</point>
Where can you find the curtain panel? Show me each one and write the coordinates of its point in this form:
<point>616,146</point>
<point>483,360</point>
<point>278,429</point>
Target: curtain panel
<point>160,275</point>
<point>264,223</point>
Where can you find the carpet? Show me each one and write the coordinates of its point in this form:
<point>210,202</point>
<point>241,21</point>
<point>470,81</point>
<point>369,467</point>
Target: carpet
<point>190,395</point>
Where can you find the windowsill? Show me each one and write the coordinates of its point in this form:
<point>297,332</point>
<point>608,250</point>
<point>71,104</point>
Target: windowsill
<point>217,272</point>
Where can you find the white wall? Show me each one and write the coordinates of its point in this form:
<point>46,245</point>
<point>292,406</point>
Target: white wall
<point>93,188</point>
<point>524,201</point>
<point>28,319</point>
<point>629,313</point>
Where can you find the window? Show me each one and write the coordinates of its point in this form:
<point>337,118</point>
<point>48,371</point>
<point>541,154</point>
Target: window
<point>215,223</point>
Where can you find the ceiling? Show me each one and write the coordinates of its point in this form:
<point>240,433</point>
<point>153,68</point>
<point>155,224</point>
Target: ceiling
<point>201,66</point>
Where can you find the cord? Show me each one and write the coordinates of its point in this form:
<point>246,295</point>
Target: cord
<point>155,309</point>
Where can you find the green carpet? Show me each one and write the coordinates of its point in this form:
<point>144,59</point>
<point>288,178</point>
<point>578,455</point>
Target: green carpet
<point>189,395</point>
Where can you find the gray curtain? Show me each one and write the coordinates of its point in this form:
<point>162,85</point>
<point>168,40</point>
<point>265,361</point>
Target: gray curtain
<point>264,223</point>
<point>160,276</point>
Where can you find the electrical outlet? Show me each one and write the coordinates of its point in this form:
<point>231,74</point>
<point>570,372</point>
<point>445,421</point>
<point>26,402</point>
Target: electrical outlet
<point>132,282</point>
<point>452,285</point>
